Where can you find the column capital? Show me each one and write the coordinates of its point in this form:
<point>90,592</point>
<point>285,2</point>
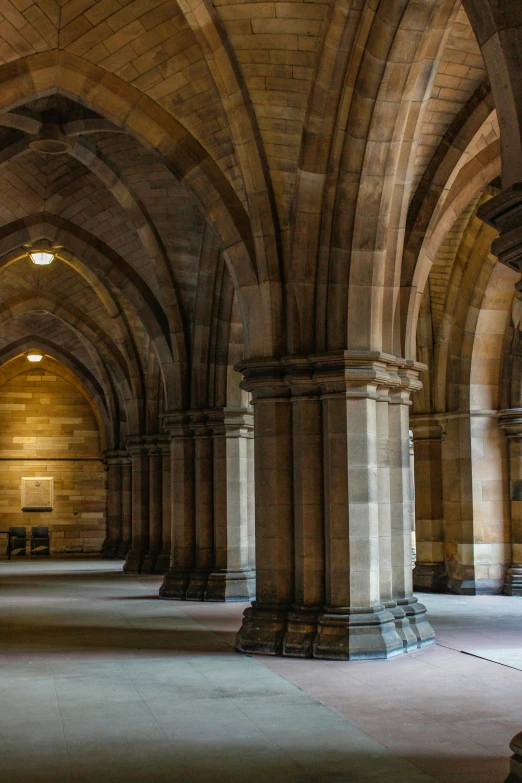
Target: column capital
<point>115,456</point>
<point>427,426</point>
<point>510,420</point>
<point>199,423</point>
<point>264,378</point>
<point>504,213</point>
<point>238,421</point>
<point>355,374</point>
<point>137,444</point>
<point>177,423</point>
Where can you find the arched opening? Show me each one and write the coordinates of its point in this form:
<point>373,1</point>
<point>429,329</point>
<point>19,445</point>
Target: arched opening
<point>52,433</point>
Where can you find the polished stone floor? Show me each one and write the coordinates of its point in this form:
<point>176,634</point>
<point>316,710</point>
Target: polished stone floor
<point>101,681</point>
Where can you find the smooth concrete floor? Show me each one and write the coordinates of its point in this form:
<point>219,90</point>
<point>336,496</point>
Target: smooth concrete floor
<point>102,681</point>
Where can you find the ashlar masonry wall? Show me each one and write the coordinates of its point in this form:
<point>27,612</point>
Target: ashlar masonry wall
<point>48,428</point>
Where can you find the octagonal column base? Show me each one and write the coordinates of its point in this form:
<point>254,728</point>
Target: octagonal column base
<point>175,584</point>
<point>263,629</point>
<point>231,585</point>
<point>357,634</point>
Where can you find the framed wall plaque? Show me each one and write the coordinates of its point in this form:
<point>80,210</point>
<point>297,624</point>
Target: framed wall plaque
<point>37,493</point>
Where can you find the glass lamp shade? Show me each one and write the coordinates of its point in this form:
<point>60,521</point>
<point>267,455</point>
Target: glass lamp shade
<point>34,355</point>
<point>42,257</point>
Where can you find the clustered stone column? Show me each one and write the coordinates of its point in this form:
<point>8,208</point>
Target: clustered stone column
<point>504,212</point>
<point>211,557</point>
<point>333,508</point>
<point>145,504</point>
<point>430,571</point>
<point>511,422</point>
<point>118,531</point>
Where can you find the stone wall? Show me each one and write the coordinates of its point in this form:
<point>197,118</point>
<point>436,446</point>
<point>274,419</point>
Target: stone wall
<point>48,428</point>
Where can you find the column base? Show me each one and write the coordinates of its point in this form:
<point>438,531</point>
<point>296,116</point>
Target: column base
<point>162,563</point>
<point>229,585</point>
<point>109,549</point>
<point>357,634</point>
<point>417,614</point>
<point>402,626</point>
<point>175,584</point>
<point>197,585</point>
<point>121,552</point>
<point>133,562</point>
<point>516,760</point>
<point>263,630</point>
<point>301,631</point>
<point>429,578</point>
<point>149,563</point>
<point>513,581</point>
<point>458,586</point>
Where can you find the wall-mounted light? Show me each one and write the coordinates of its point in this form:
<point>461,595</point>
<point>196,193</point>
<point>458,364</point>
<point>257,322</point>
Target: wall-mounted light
<point>34,355</point>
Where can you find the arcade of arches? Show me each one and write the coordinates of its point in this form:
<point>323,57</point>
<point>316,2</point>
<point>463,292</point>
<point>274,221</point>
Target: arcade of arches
<point>286,235</point>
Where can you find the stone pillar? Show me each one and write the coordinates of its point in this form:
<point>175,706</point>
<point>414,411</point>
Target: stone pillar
<point>114,505</point>
<point>430,571</point>
<point>355,624</point>
<point>138,451</point>
<point>324,467</point>
<point>232,578</point>
<point>203,508</point>
<point>511,422</point>
<point>504,212</point>
<point>265,623</point>
<point>182,562</point>
<point>126,506</point>
<point>402,512</point>
<point>163,559</point>
<point>155,506</point>
<point>388,449</point>
<point>307,438</point>
<point>516,759</point>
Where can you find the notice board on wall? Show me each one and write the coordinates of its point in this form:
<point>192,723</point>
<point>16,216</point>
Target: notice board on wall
<point>37,493</point>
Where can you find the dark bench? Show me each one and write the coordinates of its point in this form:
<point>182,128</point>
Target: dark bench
<point>16,540</point>
<point>40,541</point>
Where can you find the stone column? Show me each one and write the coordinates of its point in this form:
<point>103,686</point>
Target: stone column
<point>126,506</point>
<point>504,212</point>
<point>388,447</point>
<point>138,451</point>
<point>430,571</point>
<point>308,502</point>
<point>155,506</point>
<point>203,508</point>
<point>232,578</point>
<point>114,505</point>
<point>182,562</point>
<point>355,624</point>
<point>265,623</point>
<point>163,559</point>
<point>402,511</point>
<point>511,422</point>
